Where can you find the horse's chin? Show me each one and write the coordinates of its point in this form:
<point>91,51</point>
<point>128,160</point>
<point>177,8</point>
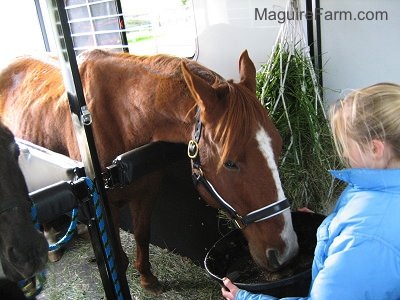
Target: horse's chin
<point>268,261</point>
<point>19,272</point>
<point>264,264</point>
<point>10,272</point>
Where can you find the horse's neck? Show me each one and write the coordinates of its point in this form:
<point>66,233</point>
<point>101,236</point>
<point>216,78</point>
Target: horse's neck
<point>175,133</point>
<point>175,121</point>
<point>162,111</point>
<point>170,104</point>
<point>154,103</point>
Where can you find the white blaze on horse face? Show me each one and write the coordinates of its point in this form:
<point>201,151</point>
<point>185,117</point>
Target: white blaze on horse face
<point>265,146</point>
<point>288,235</point>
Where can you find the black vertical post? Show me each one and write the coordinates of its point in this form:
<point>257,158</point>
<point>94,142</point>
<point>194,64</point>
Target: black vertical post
<point>318,40</point>
<point>124,39</point>
<point>313,9</point>
<point>82,124</point>
<point>310,27</point>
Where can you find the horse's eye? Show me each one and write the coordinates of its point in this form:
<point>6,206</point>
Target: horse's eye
<point>231,165</point>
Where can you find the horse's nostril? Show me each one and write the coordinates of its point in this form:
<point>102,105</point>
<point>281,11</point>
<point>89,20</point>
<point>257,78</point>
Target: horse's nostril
<point>273,261</point>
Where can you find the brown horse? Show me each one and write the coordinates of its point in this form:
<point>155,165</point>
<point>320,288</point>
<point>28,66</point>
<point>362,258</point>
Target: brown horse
<point>135,100</point>
<point>23,249</point>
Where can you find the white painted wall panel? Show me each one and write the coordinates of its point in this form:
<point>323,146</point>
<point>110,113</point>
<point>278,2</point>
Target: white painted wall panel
<point>357,53</point>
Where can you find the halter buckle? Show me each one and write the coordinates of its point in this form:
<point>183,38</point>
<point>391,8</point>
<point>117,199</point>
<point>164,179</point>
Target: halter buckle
<point>86,116</point>
<point>193,149</point>
<point>238,222</point>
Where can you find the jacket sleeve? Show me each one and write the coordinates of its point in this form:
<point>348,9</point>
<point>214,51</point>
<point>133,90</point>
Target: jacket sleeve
<point>356,267</point>
<point>244,295</point>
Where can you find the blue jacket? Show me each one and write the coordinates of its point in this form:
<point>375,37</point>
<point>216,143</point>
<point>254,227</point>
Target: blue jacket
<point>358,246</point>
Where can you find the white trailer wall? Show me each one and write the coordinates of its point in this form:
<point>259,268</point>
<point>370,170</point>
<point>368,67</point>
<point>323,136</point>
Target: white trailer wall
<point>357,53</point>
<point>226,27</point>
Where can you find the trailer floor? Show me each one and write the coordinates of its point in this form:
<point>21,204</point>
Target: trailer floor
<point>76,275</point>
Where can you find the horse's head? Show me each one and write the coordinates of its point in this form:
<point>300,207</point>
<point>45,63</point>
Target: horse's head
<point>23,249</point>
<point>234,151</point>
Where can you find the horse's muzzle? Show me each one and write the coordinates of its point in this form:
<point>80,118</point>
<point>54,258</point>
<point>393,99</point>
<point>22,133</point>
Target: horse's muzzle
<point>273,262</point>
<point>276,261</point>
<point>26,261</point>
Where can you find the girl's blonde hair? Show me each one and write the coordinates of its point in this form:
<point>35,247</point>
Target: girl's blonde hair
<point>366,114</point>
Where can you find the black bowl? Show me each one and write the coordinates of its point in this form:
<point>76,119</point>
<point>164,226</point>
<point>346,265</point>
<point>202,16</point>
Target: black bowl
<point>230,257</point>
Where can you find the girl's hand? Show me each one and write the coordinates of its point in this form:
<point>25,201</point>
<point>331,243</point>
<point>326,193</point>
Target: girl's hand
<point>305,209</point>
<point>230,290</point>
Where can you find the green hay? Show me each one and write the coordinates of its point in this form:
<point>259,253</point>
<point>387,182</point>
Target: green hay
<point>288,87</point>
<point>308,150</point>
<point>76,276</point>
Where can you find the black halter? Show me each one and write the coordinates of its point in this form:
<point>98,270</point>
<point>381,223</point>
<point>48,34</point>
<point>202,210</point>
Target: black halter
<point>258,215</point>
<point>12,201</point>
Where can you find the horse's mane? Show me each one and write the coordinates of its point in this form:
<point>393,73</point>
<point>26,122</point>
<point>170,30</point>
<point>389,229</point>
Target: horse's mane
<point>159,64</point>
<point>235,126</point>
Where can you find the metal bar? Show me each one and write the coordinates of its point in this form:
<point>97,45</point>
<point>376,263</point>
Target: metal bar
<point>87,4</point>
<point>94,18</point>
<point>78,20</point>
<point>317,8</point>
<point>42,26</point>
<point>124,39</point>
<point>314,36</point>
<point>106,31</point>
<point>310,29</point>
<point>100,47</point>
<point>82,125</point>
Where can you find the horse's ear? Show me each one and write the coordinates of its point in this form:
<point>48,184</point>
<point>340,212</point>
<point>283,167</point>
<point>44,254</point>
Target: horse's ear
<point>247,71</point>
<point>202,92</point>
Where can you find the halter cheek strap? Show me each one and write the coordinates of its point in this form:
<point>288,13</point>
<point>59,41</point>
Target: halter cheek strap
<point>198,177</point>
<point>253,217</point>
<point>193,146</point>
<point>14,202</point>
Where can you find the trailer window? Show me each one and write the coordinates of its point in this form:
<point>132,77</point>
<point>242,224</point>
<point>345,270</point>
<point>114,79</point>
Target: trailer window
<point>160,26</point>
<point>139,27</point>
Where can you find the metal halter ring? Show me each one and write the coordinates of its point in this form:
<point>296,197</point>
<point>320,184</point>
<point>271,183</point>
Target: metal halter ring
<point>193,149</point>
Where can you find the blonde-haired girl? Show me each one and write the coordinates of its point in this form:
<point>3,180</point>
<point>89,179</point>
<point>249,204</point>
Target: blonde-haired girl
<point>358,245</point>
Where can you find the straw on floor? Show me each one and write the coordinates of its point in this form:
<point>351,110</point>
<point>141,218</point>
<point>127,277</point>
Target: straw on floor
<point>76,275</point>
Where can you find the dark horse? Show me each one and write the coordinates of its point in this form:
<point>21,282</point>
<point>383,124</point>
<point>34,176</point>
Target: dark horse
<point>23,249</point>
<point>135,100</point>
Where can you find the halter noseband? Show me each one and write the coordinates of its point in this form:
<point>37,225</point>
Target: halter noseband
<point>33,286</point>
<point>12,203</point>
<point>258,215</point>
